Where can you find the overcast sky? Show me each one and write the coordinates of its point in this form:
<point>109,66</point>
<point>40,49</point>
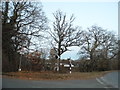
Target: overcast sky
<point>103,14</point>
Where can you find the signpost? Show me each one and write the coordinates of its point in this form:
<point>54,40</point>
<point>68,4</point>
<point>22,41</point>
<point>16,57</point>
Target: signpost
<point>70,64</point>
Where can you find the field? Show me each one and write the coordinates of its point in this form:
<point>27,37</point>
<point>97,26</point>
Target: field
<point>54,76</point>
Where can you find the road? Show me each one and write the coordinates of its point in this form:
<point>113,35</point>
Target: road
<point>110,79</point>
<point>91,83</point>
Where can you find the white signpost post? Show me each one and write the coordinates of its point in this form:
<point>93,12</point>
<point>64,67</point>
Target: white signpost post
<point>70,67</point>
<point>70,64</point>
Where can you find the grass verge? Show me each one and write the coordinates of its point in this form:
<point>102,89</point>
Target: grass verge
<point>54,76</point>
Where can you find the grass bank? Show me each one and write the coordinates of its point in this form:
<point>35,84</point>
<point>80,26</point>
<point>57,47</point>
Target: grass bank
<point>54,76</point>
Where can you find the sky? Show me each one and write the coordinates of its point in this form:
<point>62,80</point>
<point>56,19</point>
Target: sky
<point>103,14</point>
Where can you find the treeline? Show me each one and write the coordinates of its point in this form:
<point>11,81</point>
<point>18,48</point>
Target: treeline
<point>23,25</point>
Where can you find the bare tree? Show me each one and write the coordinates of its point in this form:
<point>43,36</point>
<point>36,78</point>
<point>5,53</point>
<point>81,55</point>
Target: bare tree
<point>110,46</point>
<point>92,40</point>
<point>21,22</point>
<point>98,43</point>
<point>64,34</point>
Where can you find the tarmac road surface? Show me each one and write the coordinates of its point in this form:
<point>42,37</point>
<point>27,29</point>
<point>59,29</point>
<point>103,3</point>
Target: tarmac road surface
<point>111,79</point>
<point>91,83</point>
<point>17,83</point>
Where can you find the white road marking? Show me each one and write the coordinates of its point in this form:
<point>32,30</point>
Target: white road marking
<point>100,81</point>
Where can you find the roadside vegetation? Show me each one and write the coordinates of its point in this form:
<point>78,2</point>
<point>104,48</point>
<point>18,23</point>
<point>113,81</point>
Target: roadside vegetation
<point>54,76</point>
<point>25,29</point>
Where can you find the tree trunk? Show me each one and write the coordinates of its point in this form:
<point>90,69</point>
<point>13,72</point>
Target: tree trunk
<point>59,48</point>
<point>92,62</point>
<point>59,63</point>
